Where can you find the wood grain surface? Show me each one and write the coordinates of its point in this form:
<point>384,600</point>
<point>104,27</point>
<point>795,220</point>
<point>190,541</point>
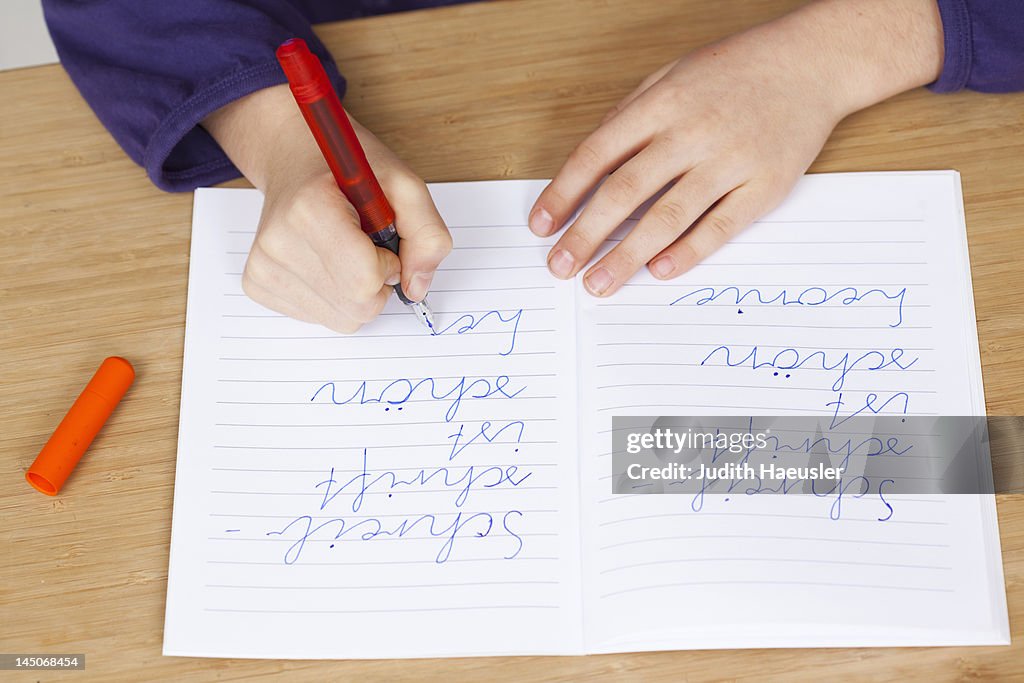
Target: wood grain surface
<point>94,259</point>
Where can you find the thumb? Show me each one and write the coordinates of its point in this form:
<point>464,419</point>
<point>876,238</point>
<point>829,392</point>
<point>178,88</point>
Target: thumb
<point>389,267</point>
<point>425,239</point>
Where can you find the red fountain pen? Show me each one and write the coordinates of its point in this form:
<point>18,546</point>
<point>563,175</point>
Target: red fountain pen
<point>329,124</point>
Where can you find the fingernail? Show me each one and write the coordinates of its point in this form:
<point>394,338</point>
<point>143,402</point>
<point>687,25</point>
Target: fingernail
<point>418,286</point>
<point>598,281</point>
<point>393,279</point>
<point>541,222</point>
<point>663,267</point>
<point>561,263</point>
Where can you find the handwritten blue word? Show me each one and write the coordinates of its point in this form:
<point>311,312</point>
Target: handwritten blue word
<point>458,445</point>
<point>469,322</point>
<point>400,391</point>
<point>811,296</point>
<point>873,446</point>
<point>369,528</point>
<point>792,359</point>
<point>861,485</point>
<point>460,480</point>
<point>871,407</point>
<point>840,490</point>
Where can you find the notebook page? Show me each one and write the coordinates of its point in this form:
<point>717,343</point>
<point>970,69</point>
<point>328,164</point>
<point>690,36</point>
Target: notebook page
<point>387,494</point>
<point>681,571</point>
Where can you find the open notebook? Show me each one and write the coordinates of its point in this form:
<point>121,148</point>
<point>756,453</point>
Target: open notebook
<point>396,494</point>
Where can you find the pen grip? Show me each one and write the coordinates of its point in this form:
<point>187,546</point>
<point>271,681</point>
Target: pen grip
<point>388,239</point>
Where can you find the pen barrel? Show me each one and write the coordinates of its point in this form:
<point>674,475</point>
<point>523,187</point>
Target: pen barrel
<point>347,161</point>
<point>333,132</point>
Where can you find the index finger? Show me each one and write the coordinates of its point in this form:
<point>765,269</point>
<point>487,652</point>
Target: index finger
<point>601,152</point>
<point>425,237</point>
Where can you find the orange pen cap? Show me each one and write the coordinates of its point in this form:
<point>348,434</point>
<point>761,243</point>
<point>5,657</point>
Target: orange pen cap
<point>79,427</point>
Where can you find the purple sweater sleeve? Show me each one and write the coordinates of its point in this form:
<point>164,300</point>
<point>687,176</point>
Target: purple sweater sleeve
<point>984,42</point>
<point>152,70</point>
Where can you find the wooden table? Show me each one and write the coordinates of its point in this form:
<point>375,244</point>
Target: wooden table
<point>94,263</point>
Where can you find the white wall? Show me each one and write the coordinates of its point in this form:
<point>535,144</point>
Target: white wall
<point>24,40</point>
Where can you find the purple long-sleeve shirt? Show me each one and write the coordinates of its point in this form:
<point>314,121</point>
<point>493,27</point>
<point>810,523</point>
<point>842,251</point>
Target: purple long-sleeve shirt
<point>152,70</point>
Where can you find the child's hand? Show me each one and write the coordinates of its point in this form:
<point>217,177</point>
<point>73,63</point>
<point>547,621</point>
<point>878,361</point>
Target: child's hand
<point>310,260</point>
<point>730,128</point>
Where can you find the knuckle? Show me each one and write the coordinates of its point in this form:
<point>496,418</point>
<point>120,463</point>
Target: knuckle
<point>367,282</point>
<point>669,215</point>
<point>671,90</point>
<point>349,214</point>
<point>257,271</point>
<point>720,225</point>
<point>436,240</point>
<point>250,286</point>
<point>628,256</point>
<point>646,243</point>
<point>363,291</point>
<point>362,310</point>
<point>733,159</point>
<point>305,206</point>
<point>274,243</point>
<point>585,156</point>
<point>367,310</point>
<point>612,113</point>
<point>553,198</point>
<point>623,187</point>
<point>670,142</point>
<point>577,242</point>
<point>405,185</point>
<point>329,294</point>
<point>356,280</point>
<point>777,187</point>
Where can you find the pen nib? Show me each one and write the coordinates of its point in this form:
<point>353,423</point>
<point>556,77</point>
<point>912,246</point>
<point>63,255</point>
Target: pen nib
<point>424,314</point>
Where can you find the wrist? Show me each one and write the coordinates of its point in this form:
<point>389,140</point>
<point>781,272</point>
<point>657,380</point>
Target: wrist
<point>266,137</point>
<point>865,51</point>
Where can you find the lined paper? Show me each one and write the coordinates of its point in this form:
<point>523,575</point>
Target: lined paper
<point>399,494</point>
<point>461,539</point>
<point>853,298</point>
